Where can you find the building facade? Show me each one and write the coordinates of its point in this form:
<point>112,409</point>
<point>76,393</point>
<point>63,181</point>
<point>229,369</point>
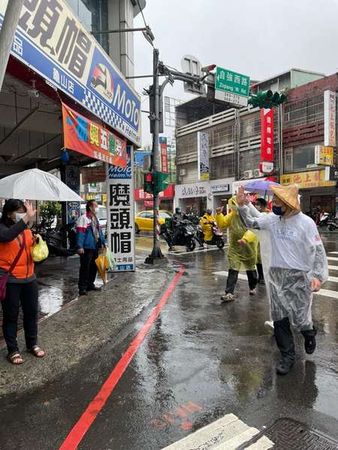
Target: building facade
<point>234,138</point>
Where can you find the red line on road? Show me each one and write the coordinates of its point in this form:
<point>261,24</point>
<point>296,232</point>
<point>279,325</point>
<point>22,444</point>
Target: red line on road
<point>81,427</point>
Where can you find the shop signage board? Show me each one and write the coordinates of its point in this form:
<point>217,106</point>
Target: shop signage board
<point>305,180</point>
<point>203,155</point>
<point>164,155</point>
<point>324,155</point>
<point>329,118</point>
<point>120,208</point>
<point>51,41</point>
<point>91,139</point>
<point>267,136</point>
<point>93,174</point>
<point>192,190</point>
<point>231,87</point>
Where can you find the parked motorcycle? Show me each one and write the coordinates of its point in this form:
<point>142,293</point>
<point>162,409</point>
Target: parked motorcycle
<point>182,235</point>
<point>324,219</point>
<point>217,236</point>
<point>333,225</point>
<point>56,238</point>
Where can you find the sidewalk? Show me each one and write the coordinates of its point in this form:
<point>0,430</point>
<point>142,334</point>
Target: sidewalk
<point>82,326</point>
<point>57,280</point>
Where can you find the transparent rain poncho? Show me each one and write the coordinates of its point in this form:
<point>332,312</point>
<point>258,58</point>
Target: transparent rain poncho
<point>240,256</point>
<point>292,255</point>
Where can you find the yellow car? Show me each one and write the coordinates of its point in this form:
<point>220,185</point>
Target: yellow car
<point>144,220</point>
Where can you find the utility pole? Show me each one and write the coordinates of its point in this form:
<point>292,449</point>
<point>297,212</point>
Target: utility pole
<point>7,33</point>
<point>155,118</point>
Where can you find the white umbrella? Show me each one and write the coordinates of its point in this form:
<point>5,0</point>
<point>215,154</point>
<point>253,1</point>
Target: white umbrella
<point>35,184</point>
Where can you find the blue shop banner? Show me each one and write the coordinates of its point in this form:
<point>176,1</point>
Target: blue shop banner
<point>51,41</point>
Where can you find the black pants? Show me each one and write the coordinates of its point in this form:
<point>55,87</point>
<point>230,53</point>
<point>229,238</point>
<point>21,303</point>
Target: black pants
<point>260,271</point>
<point>233,277</point>
<point>88,269</point>
<point>284,338</point>
<point>27,295</point>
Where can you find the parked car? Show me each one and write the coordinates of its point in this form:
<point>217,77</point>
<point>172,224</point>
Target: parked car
<point>144,220</point>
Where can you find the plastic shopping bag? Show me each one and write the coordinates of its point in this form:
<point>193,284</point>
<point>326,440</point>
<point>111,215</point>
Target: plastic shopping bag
<point>110,259</point>
<point>39,250</point>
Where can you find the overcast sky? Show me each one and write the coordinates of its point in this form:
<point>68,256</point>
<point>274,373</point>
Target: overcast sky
<point>259,38</point>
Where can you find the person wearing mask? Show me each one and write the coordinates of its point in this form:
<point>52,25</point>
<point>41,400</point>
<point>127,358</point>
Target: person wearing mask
<point>89,239</point>
<point>297,267</point>
<point>242,252</point>
<point>16,242</point>
<point>206,224</point>
<point>262,207</point>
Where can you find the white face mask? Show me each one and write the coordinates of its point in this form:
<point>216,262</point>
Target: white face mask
<point>19,216</point>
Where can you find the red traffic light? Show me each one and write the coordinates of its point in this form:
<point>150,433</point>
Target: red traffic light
<point>209,68</point>
<point>149,177</point>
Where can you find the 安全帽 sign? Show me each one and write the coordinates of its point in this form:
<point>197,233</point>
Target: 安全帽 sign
<point>232,87</point>
<point>51,41</point>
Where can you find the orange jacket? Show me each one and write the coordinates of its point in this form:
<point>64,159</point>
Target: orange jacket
<point>8,251</point>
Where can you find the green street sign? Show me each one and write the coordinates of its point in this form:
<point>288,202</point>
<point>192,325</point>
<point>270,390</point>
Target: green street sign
<point>232,87</point>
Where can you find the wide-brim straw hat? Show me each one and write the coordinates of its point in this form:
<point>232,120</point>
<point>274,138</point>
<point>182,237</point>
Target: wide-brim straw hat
<point>288,194</point>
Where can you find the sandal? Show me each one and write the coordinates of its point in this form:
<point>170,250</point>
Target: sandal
<point>15,358</point>
<point>37,351</point>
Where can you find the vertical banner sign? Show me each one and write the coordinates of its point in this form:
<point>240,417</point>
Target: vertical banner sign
<point>72,180</point>
<point>121,236</point>
<point>203,155</point>
<point>267,140</point>
<point>329,118</point>
<point>164,154</point>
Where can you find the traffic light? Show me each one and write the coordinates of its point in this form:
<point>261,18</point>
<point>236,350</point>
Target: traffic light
<point>266,99</point>
<point>148,185</point>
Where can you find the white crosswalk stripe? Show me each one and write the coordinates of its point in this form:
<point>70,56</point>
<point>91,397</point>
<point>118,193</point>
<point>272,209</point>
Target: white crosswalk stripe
<point>323,292</point>
<point>227,433</point>
<point>332,258</point>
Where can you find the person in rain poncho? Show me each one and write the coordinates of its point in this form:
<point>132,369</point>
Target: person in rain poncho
<point>242,251</point>
<point>206,225</point>
<point>297,267</point>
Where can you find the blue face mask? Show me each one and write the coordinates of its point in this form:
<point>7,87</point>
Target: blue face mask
<point>277,210</point>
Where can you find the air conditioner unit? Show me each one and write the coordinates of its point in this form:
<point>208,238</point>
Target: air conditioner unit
<point>247,174</point>
<point>257,173</point>
<point>183,172</point>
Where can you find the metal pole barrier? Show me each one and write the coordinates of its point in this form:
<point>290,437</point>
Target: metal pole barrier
<point>7,33</point>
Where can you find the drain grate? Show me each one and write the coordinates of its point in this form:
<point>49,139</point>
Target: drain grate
<point>292,435</point>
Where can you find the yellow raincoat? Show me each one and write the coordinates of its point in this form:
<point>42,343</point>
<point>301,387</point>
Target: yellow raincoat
<point>206,226</point>
<point>239,256</point>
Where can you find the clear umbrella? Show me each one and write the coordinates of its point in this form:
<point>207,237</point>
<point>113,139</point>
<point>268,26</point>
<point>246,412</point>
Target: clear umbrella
<point>35,184</point>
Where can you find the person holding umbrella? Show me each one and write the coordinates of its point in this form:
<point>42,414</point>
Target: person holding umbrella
<point>89,239</point>
<point>16,242</point>
<point>297,267</point>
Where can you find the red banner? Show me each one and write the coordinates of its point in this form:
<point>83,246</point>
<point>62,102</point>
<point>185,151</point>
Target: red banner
<point>164,158</point>
<point>267,143</point>
<point>91,139</point>
<point>167,194</point>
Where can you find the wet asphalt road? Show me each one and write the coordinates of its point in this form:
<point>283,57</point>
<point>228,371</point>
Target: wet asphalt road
<point>200,361</point>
